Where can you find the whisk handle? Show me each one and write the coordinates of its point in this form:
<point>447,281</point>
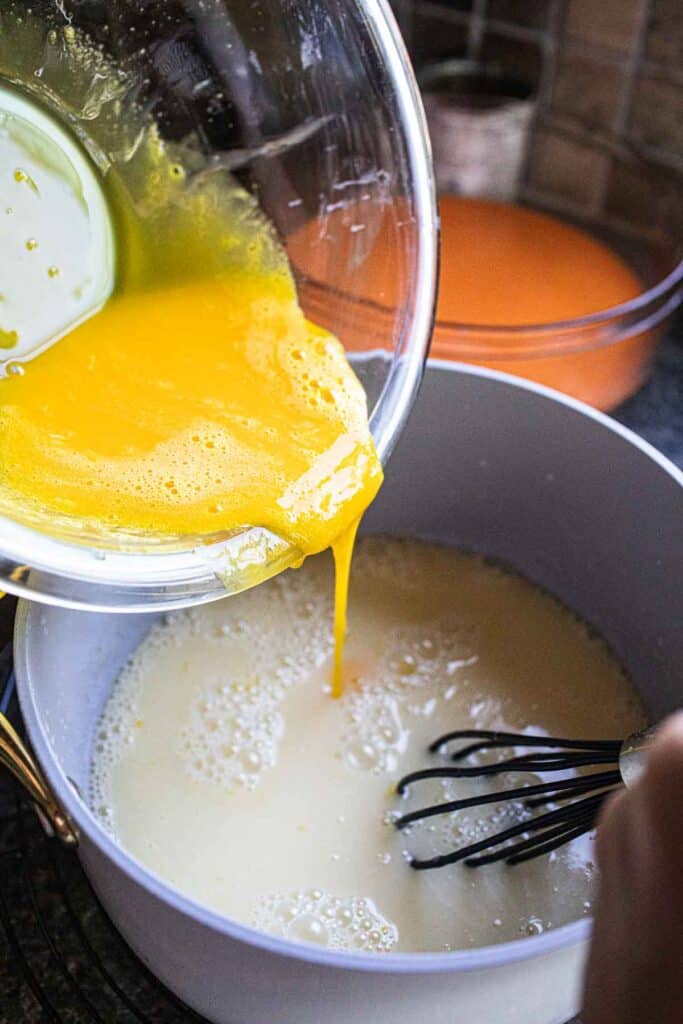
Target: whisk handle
<point>633,754</point>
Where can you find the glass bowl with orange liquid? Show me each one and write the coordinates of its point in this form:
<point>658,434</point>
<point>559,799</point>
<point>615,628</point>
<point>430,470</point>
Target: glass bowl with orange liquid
<point>311,111</point>
<point>570,298</point>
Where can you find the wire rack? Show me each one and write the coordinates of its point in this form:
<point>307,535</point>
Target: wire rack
<point>61,959</point>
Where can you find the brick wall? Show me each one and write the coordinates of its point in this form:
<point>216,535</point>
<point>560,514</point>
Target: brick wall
<point>609,76</point>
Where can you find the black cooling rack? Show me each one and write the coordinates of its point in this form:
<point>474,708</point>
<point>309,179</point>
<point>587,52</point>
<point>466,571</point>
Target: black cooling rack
<point>61,959</point>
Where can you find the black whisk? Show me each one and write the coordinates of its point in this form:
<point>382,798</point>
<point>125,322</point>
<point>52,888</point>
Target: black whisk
<point>578,799</point>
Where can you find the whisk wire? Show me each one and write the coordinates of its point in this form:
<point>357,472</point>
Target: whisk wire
<point>547,839</point>
<point>526,847</point>
<point>566,837</point>
<point>579,797</point>
<point>525,762</point>
<point>562,790</point>
<point>495,738</point>
<point>561,815</point>
<point>536,845</point>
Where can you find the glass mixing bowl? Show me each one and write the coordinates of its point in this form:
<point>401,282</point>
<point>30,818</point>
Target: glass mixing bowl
<point>313,107</point>
<point>604,357</point>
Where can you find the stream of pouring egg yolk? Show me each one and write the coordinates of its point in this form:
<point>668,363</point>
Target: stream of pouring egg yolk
<point>208,407</point>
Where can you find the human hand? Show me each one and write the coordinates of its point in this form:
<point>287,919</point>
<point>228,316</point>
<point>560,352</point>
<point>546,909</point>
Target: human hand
<point>635,966</point>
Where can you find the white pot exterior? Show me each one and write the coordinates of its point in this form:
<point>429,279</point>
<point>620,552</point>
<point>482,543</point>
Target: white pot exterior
<point>231,982</point>
<point>487,463</point>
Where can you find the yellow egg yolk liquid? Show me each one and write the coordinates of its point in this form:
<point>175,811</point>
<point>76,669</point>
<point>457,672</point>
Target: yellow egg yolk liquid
<point>199,401</point>
<point>204,409</point>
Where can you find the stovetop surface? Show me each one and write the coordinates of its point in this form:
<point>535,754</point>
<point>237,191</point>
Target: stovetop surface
<point>61,959</point>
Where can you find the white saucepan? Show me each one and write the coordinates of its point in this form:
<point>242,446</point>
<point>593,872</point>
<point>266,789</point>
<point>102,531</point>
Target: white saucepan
<point>488,463</point>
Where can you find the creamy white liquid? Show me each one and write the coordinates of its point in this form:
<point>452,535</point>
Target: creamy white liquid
<point>222,763</point>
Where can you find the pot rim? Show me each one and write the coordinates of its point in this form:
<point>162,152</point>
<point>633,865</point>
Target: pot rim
<point>455,961</point>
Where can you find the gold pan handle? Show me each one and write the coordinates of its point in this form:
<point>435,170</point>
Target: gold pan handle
<point>16,758</point>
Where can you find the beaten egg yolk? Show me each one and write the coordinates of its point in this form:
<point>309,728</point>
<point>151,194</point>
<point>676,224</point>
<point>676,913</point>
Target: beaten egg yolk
<point>205,408</point>
<point>209,407</point>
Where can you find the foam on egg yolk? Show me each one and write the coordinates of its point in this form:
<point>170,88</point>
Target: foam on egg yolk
<point>209,407</point>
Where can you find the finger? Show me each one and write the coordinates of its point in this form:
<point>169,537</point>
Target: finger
<point>663,786</point>
<point>613,846</point>
<point>658,810</point>
<point>613,880</point>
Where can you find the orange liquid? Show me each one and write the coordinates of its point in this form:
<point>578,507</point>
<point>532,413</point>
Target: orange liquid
<point>507,265</point>
<point>503,265</point>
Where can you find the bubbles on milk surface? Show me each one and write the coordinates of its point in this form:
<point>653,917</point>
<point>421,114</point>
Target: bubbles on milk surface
<point>236,719</point>
<point>115,731</point>
<point>414,677</point>
<point>349,924</point>
<point>233,733</point>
